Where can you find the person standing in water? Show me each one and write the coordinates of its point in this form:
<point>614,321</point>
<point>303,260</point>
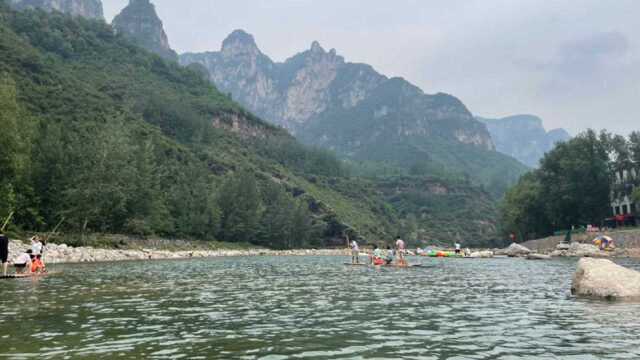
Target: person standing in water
<point>400,250</point>
<point>355,252</point>
<point>4,253</point>
<point>36,246</point>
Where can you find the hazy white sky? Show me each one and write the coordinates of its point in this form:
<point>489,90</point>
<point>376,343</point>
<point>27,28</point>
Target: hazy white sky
<point>575,63</point>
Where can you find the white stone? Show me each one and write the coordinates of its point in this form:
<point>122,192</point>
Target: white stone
<point>514,250</point>
<point>603,279</point>
<point>481,254</point>
<point>538,257</point>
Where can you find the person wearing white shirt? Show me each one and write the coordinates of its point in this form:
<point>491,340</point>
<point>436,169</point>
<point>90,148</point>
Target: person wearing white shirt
<point>400,251</point>
<point>355,252</point>
<point>23,262</point>
<point>36,246</point>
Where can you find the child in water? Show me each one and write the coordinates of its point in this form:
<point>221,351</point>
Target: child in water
<point>37,266</point>
<point>376,258</point>
<point>390,255</point>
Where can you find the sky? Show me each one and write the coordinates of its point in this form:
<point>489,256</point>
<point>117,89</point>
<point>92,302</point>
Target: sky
<point>574,63</point>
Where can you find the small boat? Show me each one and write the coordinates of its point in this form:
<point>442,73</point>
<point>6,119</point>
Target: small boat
<point>441,254</point>
<point>26,276</point>
<point>389,266</point>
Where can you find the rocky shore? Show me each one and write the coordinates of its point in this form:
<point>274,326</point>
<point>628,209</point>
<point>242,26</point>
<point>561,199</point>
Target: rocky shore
<point>61,253</point>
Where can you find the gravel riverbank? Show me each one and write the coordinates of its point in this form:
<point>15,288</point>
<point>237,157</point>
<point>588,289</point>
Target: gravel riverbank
<point>61,253</point>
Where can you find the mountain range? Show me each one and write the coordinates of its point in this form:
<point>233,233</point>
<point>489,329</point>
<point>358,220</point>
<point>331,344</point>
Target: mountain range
<point>357,112</point>
<point>430,165</point>
<point>524,137</point>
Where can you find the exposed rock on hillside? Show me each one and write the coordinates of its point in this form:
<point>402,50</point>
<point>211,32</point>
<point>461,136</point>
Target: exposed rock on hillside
<point>91,9</point>
<point>140,22</point>
<point>524,137</point>
<point>603,279</point>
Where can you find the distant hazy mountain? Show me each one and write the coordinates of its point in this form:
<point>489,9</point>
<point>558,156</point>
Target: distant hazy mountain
<point>354,110</point>
<point>140,22</point>
<point>85,8</point>
<point>524,137</point>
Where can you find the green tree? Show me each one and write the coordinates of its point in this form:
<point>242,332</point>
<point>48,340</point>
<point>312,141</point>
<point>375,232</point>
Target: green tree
<point>9,144</point>
<point>572,187</point>
<point>522,210</point>
<point>147,205</point>
<point>575,182</point>
<point>634,148</point>
<point>239,204</point>
<point>101,177</point>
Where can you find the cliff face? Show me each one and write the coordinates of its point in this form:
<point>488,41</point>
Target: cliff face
<point>524,137</point>
<point>348,107</point>
<point>299,93</point>
<point>91,9</point>
<point>140,22</point>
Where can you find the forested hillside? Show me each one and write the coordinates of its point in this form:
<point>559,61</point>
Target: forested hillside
<point>110,138</point>
<point>114,139</point>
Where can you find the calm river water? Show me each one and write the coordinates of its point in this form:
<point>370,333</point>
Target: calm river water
<point>312,307</point>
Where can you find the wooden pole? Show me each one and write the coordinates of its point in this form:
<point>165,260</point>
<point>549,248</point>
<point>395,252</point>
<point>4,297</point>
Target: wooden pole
<point>55,229</point>
<point>6,222</point>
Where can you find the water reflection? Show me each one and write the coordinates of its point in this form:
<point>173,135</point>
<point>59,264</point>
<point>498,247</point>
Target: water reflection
<point>277,308</point>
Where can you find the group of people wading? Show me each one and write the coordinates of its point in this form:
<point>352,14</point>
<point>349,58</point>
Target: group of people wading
<point>390,256</point>
<point>29,262</point>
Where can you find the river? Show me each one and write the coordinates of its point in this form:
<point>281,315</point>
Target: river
<point>312,307</point>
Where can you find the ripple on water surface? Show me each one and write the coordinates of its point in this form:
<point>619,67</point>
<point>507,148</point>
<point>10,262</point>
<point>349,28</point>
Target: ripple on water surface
<point>313,307</point>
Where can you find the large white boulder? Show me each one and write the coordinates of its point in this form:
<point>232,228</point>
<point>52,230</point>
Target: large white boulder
<point>514,250</point>
<point>603,279</point>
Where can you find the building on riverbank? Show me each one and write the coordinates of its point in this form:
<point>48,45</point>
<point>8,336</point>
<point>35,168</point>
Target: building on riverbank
<point>623,186</point>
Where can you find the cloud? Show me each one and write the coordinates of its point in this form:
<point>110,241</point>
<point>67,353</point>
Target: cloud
<point>589,66</point>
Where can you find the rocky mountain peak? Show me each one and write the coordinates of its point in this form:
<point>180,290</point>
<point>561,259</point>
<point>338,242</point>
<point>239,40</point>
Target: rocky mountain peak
<point>316,47</point>
<point>239,43</point>
<point>91,9</point>
<point>239,37</point>
<point>524,137</point>
<point>316,50</point>
<point>140,22</point>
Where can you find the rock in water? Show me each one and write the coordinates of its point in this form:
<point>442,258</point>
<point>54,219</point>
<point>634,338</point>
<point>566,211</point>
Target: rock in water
<point>538,257</point>
<point>580,250</point>
<point>481,254</point>
<point>91,9</point>
<point>140,23</point>
<point>515,250</point>
<point>603,279</point>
